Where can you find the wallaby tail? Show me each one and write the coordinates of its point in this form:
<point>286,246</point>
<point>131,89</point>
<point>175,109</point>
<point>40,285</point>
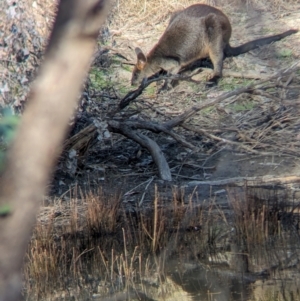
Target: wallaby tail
<point>234,51</point>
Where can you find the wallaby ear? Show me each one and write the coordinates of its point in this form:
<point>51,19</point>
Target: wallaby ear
<point>141,58</point>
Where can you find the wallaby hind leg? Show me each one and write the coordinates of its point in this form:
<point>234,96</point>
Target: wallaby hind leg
<point>217,60</point>
<point>215,46</point>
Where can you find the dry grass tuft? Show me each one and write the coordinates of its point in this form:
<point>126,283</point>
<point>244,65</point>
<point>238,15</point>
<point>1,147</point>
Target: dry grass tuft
<point>97,233</point>
<point>102,214</point>
<point>78,242</point>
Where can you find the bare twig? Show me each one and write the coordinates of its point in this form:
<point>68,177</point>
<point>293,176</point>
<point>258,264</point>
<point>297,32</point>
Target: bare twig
<point>214,137</point>
<point>130,96</point>
<point>144,193</point>
<point>250,181</point>
<point>248,74</point>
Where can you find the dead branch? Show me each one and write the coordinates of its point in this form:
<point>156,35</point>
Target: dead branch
<point>80,140</point>
<point>158,128</point>
<point>248,74</point>
<point>250,181</point>
<point>44,123</point>
<point>194,109</point>
<point>223,140</point>
<point>149,144</point>
<point>197,77</point>
<point>203,63</point>
<point>265,94</point>
<point>130,96</point>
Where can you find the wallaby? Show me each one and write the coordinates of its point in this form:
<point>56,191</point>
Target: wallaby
<point>194,33</point>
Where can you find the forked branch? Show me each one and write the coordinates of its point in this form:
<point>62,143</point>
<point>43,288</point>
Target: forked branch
<point>149,144</point>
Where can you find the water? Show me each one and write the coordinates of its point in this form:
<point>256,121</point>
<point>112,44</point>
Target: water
<point>247,251</point>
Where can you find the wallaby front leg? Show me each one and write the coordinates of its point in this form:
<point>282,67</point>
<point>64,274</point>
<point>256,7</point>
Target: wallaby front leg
<point>173,69</point>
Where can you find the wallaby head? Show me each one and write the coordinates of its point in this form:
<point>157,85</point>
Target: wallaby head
<point>197,32</point>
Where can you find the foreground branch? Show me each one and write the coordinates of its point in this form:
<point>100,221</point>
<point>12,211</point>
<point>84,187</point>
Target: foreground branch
<point>44,124</point>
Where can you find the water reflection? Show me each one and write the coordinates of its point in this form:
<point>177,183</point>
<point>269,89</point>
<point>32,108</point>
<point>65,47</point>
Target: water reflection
<point>247,251</point>
<point>209,283</point>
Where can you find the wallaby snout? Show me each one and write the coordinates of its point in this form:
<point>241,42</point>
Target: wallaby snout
<point>197,32</point>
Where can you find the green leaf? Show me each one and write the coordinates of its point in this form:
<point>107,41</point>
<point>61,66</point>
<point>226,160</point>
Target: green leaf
<point>5,210</point>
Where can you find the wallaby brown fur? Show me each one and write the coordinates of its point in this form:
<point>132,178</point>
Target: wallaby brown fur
<point>197,32</point>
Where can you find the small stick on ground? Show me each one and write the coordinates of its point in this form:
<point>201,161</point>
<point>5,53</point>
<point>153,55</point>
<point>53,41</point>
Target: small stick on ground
<point>247,75</point>
<point>214,137</point>
<point>251,181</point>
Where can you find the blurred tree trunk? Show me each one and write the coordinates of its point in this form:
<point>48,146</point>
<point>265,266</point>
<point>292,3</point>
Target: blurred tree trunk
<point>45,121</point>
